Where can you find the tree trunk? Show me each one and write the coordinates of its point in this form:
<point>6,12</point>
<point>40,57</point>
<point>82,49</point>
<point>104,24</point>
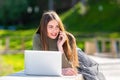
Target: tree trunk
<point>51,5</point>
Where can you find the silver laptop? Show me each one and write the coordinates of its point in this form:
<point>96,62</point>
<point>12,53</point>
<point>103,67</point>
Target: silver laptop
<point>43,62</point>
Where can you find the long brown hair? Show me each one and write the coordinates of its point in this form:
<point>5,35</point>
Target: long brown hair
<point>70,52</point>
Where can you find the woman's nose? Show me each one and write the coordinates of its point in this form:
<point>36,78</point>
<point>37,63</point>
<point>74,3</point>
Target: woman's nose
<point>54,30</point>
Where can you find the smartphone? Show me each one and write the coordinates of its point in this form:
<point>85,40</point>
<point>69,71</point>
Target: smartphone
<point>59,38</point>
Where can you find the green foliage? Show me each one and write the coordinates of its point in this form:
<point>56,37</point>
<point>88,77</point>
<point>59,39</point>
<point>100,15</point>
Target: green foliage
<point>80,44</point>
<point>94,20</point>
<point>11,10</point>
<point>17,38</point>
<point>18,33</point>
<point>114,35</point>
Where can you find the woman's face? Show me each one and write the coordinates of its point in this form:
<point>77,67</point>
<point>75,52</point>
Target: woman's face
<point>53,29</point>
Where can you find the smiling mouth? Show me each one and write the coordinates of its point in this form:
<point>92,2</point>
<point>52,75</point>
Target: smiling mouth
<point>54,35</point>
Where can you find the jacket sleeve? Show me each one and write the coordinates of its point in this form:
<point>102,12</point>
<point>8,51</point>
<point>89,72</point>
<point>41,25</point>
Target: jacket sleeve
<point>88,67</point>
<point>65,62</point>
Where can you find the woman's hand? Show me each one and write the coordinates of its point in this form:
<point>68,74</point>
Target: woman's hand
<point>61,40</point>
<point>69,72</point>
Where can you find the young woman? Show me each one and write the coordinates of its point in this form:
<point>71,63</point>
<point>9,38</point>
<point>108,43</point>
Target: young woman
<point>52,36</point>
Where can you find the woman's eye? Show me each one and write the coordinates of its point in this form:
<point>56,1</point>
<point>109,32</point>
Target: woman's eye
<point>57,27</point>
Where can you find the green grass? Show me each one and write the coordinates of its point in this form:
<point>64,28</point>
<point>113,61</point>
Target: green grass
<point>11,63</point>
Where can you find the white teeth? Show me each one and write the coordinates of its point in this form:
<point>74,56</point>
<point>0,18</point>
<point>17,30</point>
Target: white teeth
<point>53,34</point>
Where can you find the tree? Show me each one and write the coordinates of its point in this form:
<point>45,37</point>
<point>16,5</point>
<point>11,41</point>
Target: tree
<point>12,10</point>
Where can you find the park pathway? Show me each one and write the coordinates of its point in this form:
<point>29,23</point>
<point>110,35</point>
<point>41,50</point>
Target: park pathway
<point>110,67</point>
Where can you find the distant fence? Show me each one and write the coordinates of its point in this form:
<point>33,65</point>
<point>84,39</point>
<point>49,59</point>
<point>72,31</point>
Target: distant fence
<point>95,46</point>
<point>109,47</point>
<point>15,44</point>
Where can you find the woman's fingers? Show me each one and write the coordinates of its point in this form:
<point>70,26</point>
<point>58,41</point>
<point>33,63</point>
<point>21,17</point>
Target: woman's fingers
<point>62,38</point>
<point>68,72</point>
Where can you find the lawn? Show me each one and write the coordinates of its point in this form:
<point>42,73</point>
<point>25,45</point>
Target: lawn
<point>10,63</point>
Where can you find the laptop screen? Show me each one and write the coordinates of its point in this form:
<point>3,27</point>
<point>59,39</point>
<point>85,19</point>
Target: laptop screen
<point>43,62</point>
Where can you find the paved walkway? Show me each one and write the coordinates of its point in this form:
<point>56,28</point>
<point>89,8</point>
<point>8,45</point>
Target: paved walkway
<point>109,66</point>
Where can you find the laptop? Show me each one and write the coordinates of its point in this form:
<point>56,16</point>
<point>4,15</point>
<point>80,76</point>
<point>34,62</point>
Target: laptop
<point>47,63</point>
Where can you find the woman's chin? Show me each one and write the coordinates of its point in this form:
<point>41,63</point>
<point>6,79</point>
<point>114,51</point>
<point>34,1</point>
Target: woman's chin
<point>53,37</point>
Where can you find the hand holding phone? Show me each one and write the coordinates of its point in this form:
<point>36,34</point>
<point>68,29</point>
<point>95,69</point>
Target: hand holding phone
<point>61,40</point>
<point>61,37</point>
